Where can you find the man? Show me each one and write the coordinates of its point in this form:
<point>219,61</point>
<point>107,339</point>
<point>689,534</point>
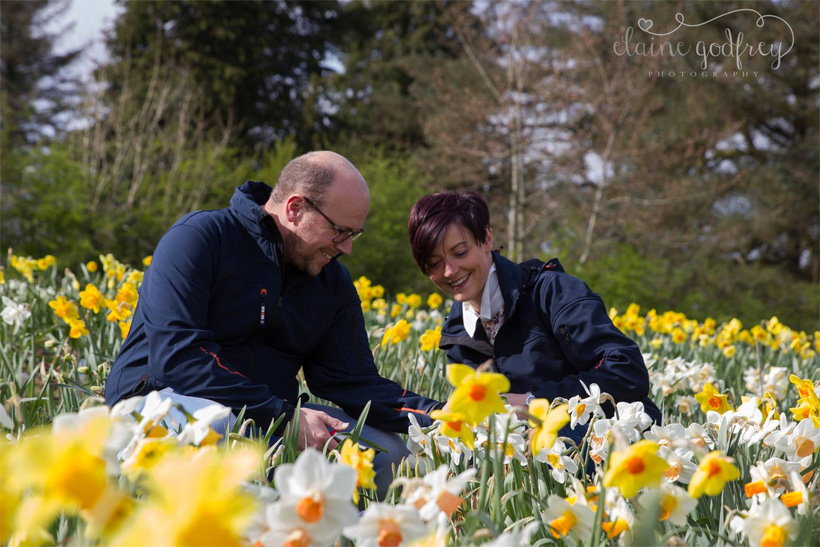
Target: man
<point>238,300</point>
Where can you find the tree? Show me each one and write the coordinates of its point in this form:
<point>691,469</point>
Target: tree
<point>254,61</point>
<point>35,86</point>
<point>385,47</point>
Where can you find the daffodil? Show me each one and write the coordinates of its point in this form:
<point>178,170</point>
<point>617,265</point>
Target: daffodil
<point>64,308</point>
<point>384,525</point>
<point>434,300</point>
<point>770,524</point>
<point>712,475</point>
<point>195,498</point>
<point>430,339</point>
<point>436,493</point>
<point>91,266</point>
<point>477,394</point>
<point>711,399</point>
<point>91,298</point>
<point>551,421</point>
<point>78,328</point>
<point>315,495</point>
<point>675,503</point>
<point>635,467</point>
<point>396,333</point>
<point>351,454</point>
<point>564,519</point>
<point>454,425</point>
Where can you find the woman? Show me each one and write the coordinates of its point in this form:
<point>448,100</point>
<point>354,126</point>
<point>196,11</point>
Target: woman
<point>545,330</point>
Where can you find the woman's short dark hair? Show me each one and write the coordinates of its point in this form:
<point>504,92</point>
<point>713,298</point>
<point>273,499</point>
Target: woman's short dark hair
<point>432,214</point>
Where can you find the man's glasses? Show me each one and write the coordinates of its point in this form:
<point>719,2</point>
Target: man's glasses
<point>342,234</point>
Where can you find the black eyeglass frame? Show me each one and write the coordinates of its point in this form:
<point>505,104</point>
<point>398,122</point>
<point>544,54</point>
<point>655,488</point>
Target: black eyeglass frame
<point>346,232</point>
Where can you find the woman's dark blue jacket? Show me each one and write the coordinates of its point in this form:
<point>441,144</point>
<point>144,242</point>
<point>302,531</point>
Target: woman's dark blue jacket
<point>221,317</point>
<point>556,333</point>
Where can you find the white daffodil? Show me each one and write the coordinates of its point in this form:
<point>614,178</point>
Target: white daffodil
<point>154,411</point>
<point>669,435</point>
<point>798,496</point>
<point>581,410</point>
<point>769,523</point>
<point>438,493</point>
<point>384,524</point>
<point>686,404</point>
<point>315,497</point>
<point>800,442</point>
<point>14,313</point>
<point>699,438</point>
<point>208,427</point>
<point>681,464</point>
<point>632,419</point>
<point>770,478</point>
<point>452,448</point>
<point>675,503</point>
<point>564,519</point>
<point>619,519</point>
<point>517,536</point>
<point>417,440</point>
<point>561,465</point>
<point>505,425</point>
<point>599,440</point>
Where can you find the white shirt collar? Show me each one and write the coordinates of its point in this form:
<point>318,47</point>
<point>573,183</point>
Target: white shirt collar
<point>491,302</point>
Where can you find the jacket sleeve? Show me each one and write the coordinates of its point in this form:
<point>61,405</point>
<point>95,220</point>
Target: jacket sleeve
<point>183,353</point>
<point>590,342</point>
<point>342,370</point>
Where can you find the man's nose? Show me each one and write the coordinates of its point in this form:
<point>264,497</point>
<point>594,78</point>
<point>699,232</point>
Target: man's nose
<point>345,247</point>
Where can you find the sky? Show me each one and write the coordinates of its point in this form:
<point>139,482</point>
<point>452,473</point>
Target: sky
<point>90,18</point>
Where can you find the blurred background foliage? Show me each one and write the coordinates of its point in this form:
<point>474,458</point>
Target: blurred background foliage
<point>697,194</point>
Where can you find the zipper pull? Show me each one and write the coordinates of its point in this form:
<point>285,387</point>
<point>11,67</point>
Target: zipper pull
<point>262,297</point>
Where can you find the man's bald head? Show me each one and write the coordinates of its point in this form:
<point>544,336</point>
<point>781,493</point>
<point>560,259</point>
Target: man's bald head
<point>313,173</point>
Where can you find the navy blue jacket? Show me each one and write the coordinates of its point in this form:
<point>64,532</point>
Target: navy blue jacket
<point>220,316</point>
<point>556,331</point>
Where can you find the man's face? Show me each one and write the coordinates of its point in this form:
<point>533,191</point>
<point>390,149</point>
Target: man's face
<point>312,247</point>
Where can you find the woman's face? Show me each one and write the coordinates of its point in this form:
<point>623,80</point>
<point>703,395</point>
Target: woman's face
<point>460,265</point>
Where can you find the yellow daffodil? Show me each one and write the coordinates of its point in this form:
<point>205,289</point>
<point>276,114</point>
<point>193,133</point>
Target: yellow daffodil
<point>430,339</point>
<point>477,394</point>
<point>637,466</point>
<point>434,300</point>
<point>414,300</point>
<point>214,509</point>
<point>712,475</point>
<point>147,260</point>
<point>552,420</point>
<point>64,309</point>
<point>78,328</point>
<point>454,426</point>
<point>91,266</point>
<point>395,334</point>
<point>91,298</point>
<point>805,388</point>
<point>353,455</point>
<point>711,399</point>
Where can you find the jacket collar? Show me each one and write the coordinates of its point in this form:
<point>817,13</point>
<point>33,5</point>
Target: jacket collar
<point>246,205</point>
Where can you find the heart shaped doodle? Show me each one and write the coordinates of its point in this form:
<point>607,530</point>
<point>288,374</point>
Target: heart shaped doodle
<point>645,24</point>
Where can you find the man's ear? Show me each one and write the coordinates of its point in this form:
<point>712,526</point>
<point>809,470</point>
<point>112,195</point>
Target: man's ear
<point>293,208</point>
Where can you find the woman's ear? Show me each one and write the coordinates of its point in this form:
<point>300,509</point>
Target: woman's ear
<point>488,240</point>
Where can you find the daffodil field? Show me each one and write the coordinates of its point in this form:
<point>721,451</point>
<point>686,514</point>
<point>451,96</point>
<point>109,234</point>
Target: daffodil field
<point>734,463</point>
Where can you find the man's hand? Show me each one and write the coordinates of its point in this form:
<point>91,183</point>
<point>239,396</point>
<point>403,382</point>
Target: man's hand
<point>518,399</point>
<point>315,429</point>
